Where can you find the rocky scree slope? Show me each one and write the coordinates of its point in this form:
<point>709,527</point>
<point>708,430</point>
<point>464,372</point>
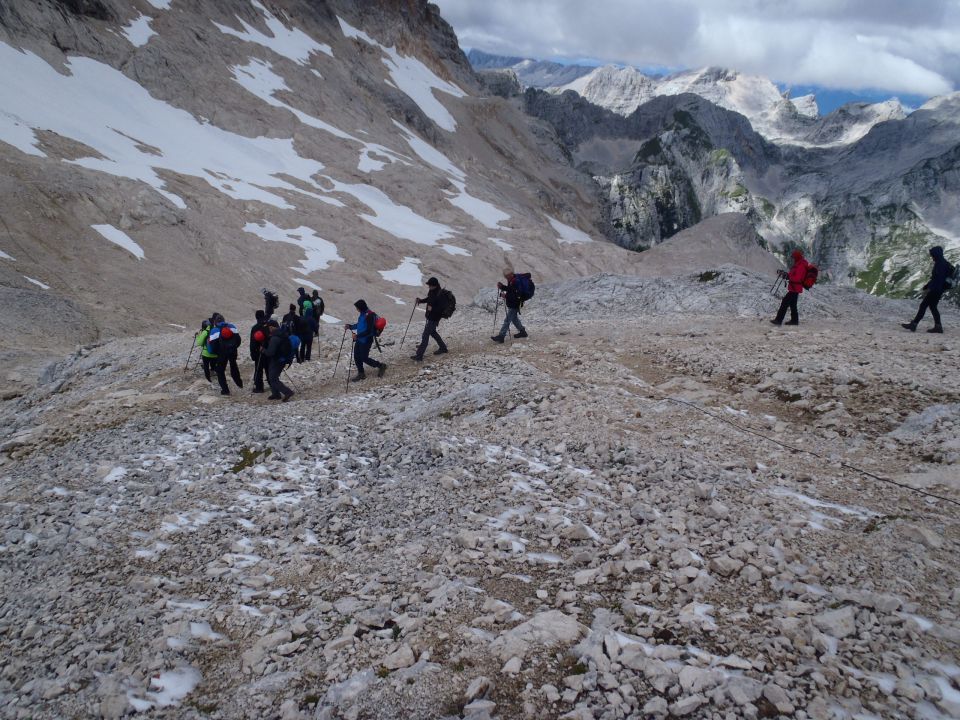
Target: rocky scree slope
<point>866,212</point>
<point>161,159</point>
<point>543,529</point>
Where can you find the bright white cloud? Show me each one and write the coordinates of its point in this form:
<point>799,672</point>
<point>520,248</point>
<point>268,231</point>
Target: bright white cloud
<point>888,45</point>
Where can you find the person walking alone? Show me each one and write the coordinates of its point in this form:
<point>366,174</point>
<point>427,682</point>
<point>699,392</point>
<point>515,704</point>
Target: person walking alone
<point>933,291</point>
<point>795,280</point>
<point>434,302</point>
<point>513,301</point>
<point>364,332</point>
<point>277,354</point>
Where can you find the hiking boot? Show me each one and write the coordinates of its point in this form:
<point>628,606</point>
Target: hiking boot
<point>358,378</point>
<point>441,351</point>
<point>497,338</point>
<point>792,322</point>
<point>288,396</point>
<point>273,397</point>
<point>936,329</point>
<point>381,370</point>
<point>776,322</point>
<point>258,390</point>
<point>521,334</point>
<point>240,384</point>
<point>911,326</point>
<point>418,358</point>
<point>224,392</point>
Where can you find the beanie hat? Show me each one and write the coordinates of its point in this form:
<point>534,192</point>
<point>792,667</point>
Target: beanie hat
<point>433,282</point>
<point>258,314</point>
<point>361,305</point>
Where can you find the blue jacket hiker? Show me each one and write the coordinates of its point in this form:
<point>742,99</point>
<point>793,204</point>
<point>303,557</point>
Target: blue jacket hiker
<point>364,332</point>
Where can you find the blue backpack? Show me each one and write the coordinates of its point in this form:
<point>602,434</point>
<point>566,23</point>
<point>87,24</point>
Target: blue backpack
<point>525,286</point>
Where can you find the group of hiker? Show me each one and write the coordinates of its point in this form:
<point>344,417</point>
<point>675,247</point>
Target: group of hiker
<point>803,275</point>
<point>275,345</point>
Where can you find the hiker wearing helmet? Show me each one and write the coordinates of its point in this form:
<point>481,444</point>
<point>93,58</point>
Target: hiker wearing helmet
<point>512,299</point>
<point>277,354</point>
<point>795,280</point>
<point>259,335</point>
<point>364,332</point>
<point>207,358</point>
<point>434,315</point>
<point>224,339</point>
<point>933,291</point>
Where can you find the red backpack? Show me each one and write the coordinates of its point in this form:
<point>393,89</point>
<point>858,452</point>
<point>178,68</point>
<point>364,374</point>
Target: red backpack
<point>810,279</point>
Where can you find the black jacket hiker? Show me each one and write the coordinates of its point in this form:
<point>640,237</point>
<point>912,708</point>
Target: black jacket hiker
<point>276,352</point>
<point>434,302</point>
<point>933,291</point>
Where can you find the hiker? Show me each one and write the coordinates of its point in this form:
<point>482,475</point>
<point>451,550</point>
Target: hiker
<point>318,309</point>
<point>933,291</point>
<point>277,354</point>
<point>305,333</point>
<point>364,333</point>
<point>270,302</point>
<point>513,300</point>
<point>434,314</point>
<point>289,321</point>
<point>301,298</point>
<point>223,341</point>
<point>795,280</point>
<point>259,335</point>
<point>207,358</point>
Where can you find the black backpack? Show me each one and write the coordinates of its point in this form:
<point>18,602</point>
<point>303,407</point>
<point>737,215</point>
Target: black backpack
<point>448,304</point>
<point>525,286</point>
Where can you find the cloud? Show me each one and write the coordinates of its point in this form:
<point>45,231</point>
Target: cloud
<point>901,47</point>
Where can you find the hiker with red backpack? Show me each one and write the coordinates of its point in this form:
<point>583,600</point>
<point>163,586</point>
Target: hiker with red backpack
<point>259,335</point>
<point>223,341</point>
<point>365,330</point>
<point>802,276</point>
<point>440,305</point>
<point>518,290</point>
<point>943,277</point>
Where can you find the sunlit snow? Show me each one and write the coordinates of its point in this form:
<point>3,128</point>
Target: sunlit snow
<point>568,235</point>
<point>118,237</point>
<point>413,78</point>
<point>167,688</point>
<point>293,44</point>
<point>121,121</point>
<point>160,4</point>
<point>138,32</point>
<point>4,256</point>
<point>36,282</point>
<point>407,273</point>
<point>319,252</point>
<point>502,244</point>
<point>485,213</point>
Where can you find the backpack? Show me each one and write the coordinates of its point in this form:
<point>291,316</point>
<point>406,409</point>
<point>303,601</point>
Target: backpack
<point>953,277</point>
<point>448,304</point>
<point>307,305</point>
<point>379,323</point>
<point>810,279</point>
<point>525,286</point>
<point>288,350</point>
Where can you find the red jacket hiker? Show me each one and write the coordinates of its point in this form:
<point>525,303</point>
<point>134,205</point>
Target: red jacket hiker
<point>797,273</point>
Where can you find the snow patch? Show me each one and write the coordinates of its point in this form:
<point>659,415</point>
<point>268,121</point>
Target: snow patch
<point>4,256</point>
<point>36,282</point>
<point>502,244</point>
<point>397,300</point>
<point>118,237</point>
<point>293,44</point>
<point>568,235</point>
<point>407,273</point>
<point>454,250</point>
<point>138,32</point>
<point>166,689</point>
<point>319,252</point>
<point>487,214</point>
<point>160,4</point>
<point>430,155</point>
<point>413,78</point>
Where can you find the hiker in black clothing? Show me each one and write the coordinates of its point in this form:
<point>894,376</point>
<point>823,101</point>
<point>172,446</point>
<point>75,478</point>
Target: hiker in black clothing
<point>434,315</point>
<point>256,348</point>
<point>318,309</point>
<point>301,296</point>
<point>270,302</point>
<point>511,298</point>
<point>290,320</point>
<point>933,291</point>
<point>224,340</point>
<point>276,353</point>
<point>305,333</point>
<point>364,332</point>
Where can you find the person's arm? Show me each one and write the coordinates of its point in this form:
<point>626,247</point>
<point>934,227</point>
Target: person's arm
<point>202,338</point>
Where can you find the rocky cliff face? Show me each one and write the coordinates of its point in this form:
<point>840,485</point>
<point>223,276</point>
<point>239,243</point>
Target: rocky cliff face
<point>163,159</point>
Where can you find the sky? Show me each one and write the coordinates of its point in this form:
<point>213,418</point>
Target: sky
<point>873,49</point>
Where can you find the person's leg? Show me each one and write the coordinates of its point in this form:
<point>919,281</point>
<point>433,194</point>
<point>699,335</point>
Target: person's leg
<point>220,368</point>
<point>278,389</point>
<point>308,341</point>
<point>794,316</point>
<point>358,357</point>
<point>507,320</point>
<point>424,339</point>
<point>205,361</point>
<point>924,304</point>
<point>521,330</point>
<point>235,371</point>
<point>784,304</point>
<point>258,374</point>
<point>441,345</point>
<point>934,301</point>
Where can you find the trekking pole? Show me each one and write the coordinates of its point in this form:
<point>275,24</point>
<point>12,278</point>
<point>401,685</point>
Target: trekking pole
<point>496,309</point>
<point>340,352</point>
<point>190,354</point>
<point>256,367</point>
<point>346,384</point>
<point>408,326</point>
<point>290,380</point>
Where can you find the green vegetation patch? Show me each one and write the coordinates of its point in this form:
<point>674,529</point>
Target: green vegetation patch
<point>250,457</point>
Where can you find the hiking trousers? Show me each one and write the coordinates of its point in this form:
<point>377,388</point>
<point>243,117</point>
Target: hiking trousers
<point>789,301</point>
<point>513,316</point>
<point>361,356</point>
<point>260,369</point>
<point>220,367</point>
<point>306,346</point>
<point>930,300</point>
<point>430,331</point>
<point>273,378</point>
<point>207,364</point>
